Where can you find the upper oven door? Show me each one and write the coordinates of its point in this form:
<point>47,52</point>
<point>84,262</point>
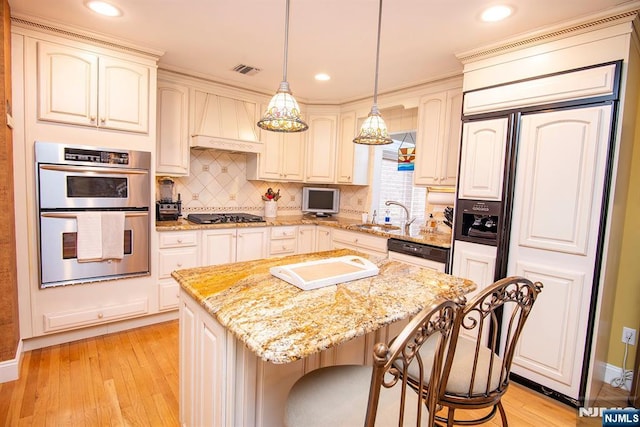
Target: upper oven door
<point>73,187</point>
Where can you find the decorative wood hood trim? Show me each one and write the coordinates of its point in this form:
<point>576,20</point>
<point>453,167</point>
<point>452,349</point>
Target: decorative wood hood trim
<point>617,16</point>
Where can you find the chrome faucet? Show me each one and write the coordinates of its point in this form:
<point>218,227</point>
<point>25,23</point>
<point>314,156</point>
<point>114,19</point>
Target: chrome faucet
<point>408,221</point>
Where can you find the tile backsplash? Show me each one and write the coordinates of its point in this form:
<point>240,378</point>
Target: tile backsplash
<point>217,183</point>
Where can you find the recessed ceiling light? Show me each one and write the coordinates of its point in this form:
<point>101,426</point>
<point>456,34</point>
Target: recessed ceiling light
<point>496,13</point>
<point>322,77</point>
<point>103,8</point>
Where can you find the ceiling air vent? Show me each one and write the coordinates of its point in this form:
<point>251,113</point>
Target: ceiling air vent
<point>246,69</point>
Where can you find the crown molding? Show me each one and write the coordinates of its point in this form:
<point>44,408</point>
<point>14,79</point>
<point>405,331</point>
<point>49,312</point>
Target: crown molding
<point>619,15</point>
<point>77,34</point>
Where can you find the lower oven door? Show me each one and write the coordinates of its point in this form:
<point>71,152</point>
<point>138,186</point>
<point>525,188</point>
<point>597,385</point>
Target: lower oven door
<point>58,261</point>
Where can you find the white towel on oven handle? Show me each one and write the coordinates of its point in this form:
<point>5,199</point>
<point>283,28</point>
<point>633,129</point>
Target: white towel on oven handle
<point>113,235</point>
<point>89,236</point>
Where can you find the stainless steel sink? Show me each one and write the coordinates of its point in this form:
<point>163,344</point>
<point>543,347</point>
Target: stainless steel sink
<point>377,227</point>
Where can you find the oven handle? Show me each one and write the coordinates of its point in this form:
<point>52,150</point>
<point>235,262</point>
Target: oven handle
<point>94,169</point>
<point>73,215</point>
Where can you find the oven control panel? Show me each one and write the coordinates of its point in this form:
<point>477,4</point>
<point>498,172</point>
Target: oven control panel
<point>96,156</point>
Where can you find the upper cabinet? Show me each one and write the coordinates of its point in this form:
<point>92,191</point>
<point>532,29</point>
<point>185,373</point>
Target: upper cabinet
<point>482,159</point>
<point>281,159</point>
<point>438,138</point>
<point>353,159</point>
<point>77,86</point>
<point>172,145</point>
<point>321,147</point>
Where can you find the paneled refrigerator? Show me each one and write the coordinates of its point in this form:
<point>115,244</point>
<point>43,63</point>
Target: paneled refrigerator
<point>531,201</point>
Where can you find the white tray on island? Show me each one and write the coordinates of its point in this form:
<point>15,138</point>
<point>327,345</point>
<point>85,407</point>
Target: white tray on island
<point>326,272</point>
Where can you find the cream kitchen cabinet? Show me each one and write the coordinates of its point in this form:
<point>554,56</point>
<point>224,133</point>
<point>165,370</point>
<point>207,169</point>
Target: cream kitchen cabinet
<point>225,245</point>
<point>306,239</point>
<point>177,250</point>
<point>353,159</point>
<point>281,159</point>
<point>482,159</point>
<point>438,138</point>
<point>283,240</point>
<point>204,344</point>
<point>80,87</point>
<point>172,146</point>
<point>321,148</point>
<point>358,241</point>
<point>323,239</point>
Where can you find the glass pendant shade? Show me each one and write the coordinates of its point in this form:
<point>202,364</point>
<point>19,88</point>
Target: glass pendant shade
<point>373,130</point>
<point>283,113</point>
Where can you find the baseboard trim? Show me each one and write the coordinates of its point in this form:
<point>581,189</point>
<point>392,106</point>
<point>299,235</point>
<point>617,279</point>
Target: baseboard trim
<point>612,372</point>
<point>10,369</point>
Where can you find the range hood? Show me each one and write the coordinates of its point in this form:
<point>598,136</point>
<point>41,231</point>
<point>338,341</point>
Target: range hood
<point>224,123</point>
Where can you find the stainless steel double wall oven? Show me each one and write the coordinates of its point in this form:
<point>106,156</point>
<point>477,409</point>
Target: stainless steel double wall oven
<point>72,179</point>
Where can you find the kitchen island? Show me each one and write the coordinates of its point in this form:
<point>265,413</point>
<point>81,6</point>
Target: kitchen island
<point>247,336</point>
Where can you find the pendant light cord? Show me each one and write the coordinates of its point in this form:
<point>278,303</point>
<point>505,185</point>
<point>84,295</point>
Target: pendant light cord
<point>375,86</point>
<point>286,42</point>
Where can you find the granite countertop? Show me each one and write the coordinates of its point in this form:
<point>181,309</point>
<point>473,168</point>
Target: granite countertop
<point>439,239</point>
<point>282,323</point>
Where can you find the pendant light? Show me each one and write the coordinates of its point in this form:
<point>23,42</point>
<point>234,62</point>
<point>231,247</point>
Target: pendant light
<point>283,112</point>
<point>374,130</point>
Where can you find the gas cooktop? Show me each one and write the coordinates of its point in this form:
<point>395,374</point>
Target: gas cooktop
<point>221,218</point>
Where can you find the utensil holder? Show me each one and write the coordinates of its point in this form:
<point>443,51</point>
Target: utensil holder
<point>270,209</point>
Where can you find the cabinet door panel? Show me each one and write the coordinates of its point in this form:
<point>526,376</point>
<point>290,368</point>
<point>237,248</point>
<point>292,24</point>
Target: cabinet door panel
<point>559,178</point>
<point>431,122</point>
<point>482,159</point>
<point>549,342</point>
<point>321,149</point>
<point>123,95</point>
<point>218,247</point>
<point>292,154</point>
<point>211,395</point>
<point>477,263</point>
<point>187,370</point>
<point>68,84</point>
<point>556,215</point>
<point>252,244</point>
<point>172,155</point>
<point>448,171</point>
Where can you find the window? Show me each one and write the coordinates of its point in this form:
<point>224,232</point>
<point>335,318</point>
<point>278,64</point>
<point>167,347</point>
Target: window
<point>392,184</point>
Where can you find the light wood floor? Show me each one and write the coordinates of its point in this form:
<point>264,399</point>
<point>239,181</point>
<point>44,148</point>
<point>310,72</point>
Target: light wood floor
<point>131,379</point>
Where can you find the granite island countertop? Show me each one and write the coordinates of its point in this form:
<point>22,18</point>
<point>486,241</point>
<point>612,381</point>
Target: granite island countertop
<point>282,323</point>
<point>439,239</point>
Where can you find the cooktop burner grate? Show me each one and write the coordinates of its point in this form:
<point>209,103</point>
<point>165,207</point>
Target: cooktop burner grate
<point>221,218</point>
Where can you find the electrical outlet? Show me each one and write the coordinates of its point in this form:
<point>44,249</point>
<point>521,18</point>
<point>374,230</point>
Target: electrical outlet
<point>629,335</point>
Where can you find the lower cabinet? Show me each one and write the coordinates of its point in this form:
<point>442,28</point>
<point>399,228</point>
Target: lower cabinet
<point>222,246</point>
<point>178,250</point>
<point>306,239</point>
<point>323,239</point>
<point>223,383</point>
<point>362,242</point>
<point>283,240</point>
<point>59,321</point>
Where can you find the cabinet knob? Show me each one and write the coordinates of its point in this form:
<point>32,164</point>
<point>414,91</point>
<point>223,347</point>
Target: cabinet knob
<point>179,240</point>
<point>179,264</point>
<point>102,120</point>
<point>92,118</point>
<point>100,315</point>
